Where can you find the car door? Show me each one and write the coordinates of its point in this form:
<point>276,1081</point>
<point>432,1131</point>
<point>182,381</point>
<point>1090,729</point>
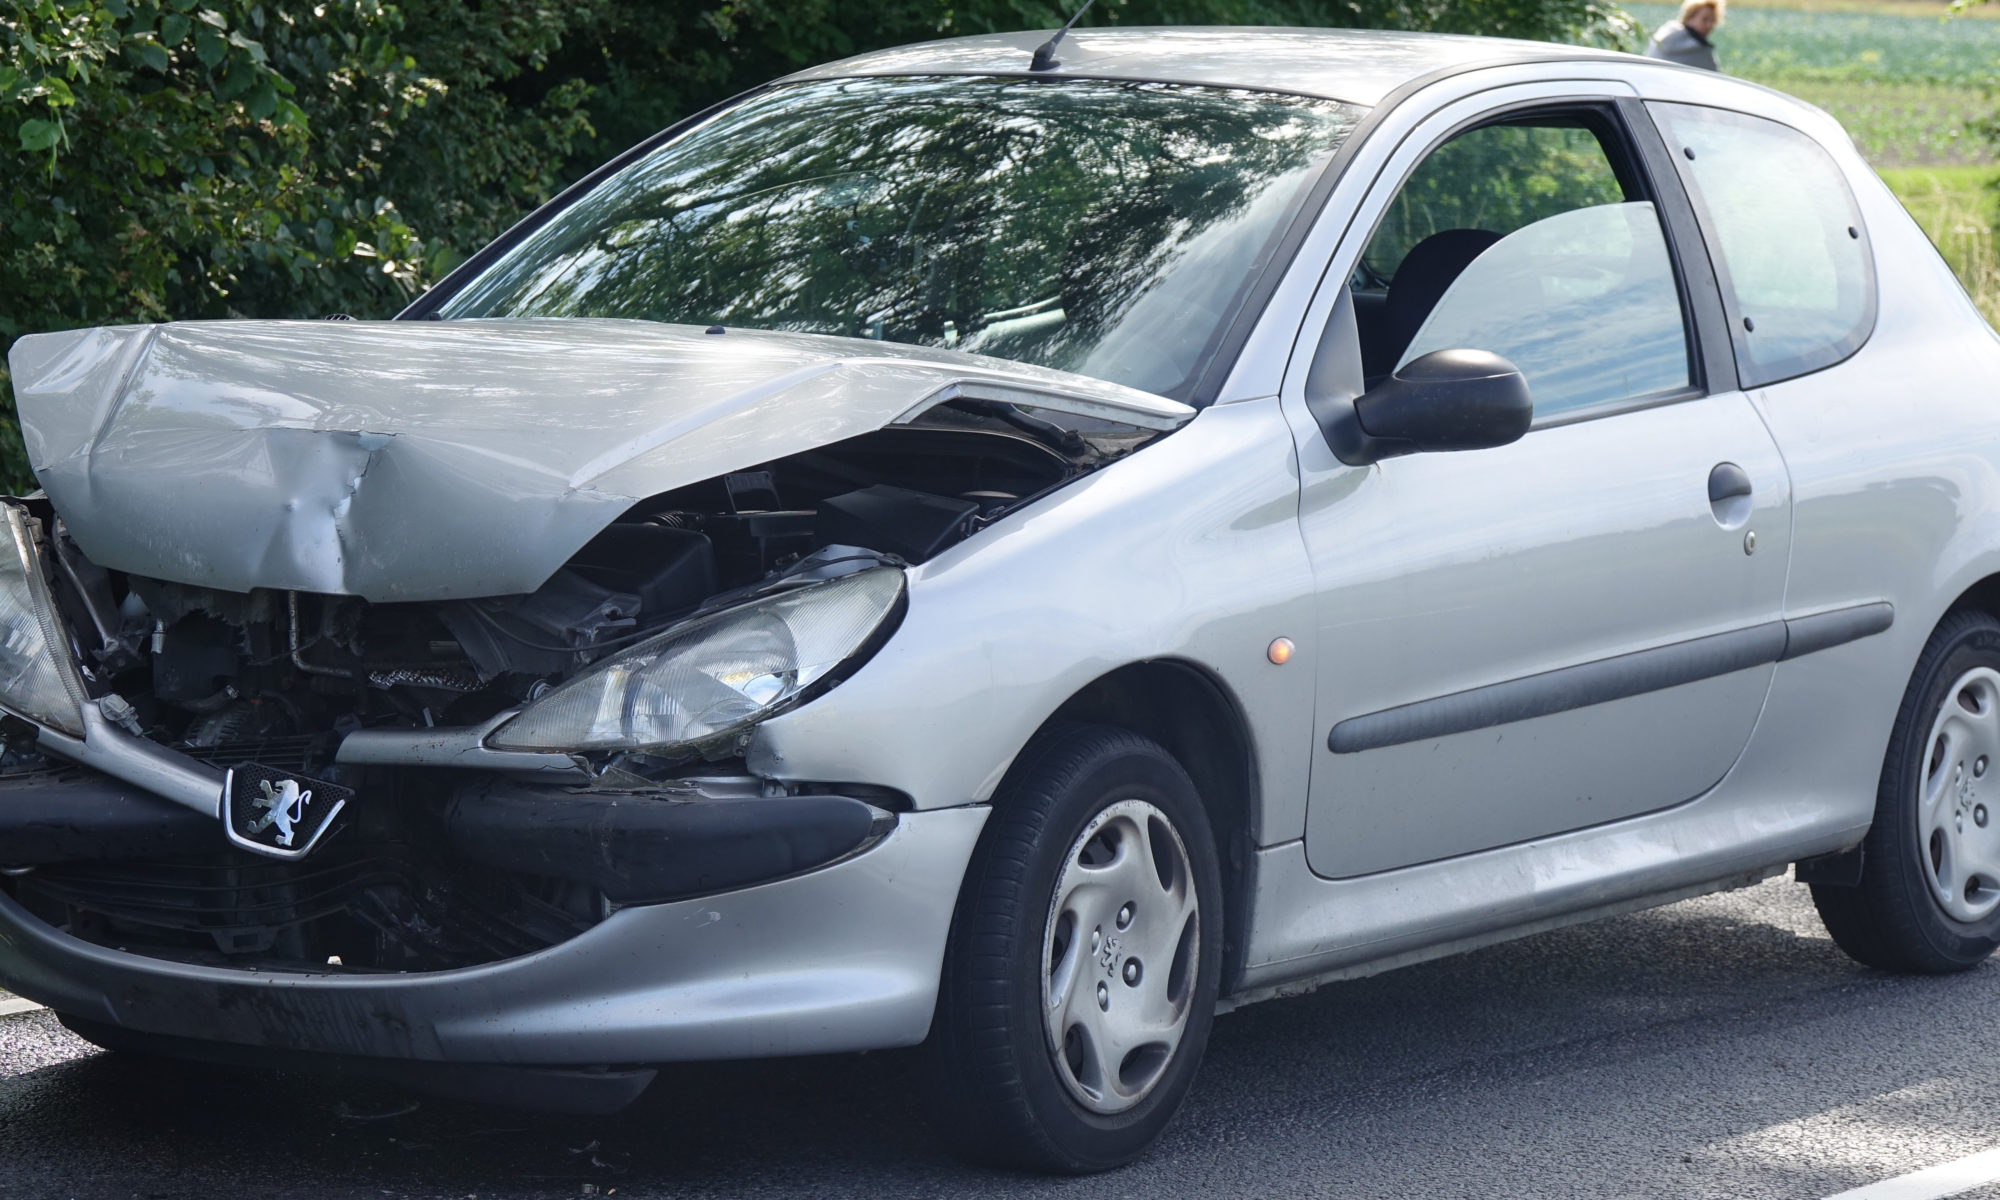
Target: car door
<point>1577,627</point>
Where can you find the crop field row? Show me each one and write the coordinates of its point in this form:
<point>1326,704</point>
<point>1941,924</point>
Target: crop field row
<point>1905,124</point>
<point>1915,92</point>
<point>1912,90</point>
<point>1770,44</point>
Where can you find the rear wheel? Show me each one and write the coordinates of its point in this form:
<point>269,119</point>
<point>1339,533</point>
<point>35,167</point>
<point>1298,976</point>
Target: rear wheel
<point>1081,976</point>
<point>1929,895</point>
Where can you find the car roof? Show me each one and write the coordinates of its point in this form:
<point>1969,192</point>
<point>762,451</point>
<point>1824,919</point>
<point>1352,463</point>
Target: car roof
<point>1360,66</point>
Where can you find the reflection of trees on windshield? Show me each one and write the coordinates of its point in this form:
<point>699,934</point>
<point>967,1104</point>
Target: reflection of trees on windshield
<point>1020,218</point>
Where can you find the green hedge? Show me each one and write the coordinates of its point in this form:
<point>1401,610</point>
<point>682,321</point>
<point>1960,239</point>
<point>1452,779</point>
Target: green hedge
<point>179,158</point>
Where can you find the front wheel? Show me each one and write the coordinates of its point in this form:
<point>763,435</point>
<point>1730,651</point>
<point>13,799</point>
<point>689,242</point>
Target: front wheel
<point>1081,975</point>
<point>1929,896</point>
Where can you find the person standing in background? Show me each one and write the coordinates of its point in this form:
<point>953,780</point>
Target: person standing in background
<point>1685,40</point>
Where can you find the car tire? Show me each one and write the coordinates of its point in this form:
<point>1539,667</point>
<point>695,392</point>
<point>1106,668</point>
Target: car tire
<point>1092,904</point>
<point>1928,899</point>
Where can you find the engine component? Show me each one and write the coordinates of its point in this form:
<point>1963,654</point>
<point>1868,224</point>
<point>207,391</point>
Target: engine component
<point>750,545</point>
<point>543,632</point>
<point>670,570</point>
<point>196,660</point>
<point>911,525</point>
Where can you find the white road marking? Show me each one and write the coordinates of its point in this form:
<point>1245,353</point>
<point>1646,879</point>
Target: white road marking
<point>1947,1179</point>
<point>9,1005</point>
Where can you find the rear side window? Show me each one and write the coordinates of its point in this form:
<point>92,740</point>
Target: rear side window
<point>1786,237</point>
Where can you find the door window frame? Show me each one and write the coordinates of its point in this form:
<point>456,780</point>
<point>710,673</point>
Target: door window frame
<point>1620,115</point>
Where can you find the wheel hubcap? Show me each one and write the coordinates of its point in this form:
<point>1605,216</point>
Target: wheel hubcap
<point>1119,956</point>
<point>1959,844</point>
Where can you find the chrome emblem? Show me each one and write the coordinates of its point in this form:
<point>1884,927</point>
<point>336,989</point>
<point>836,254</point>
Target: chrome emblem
<point>283,808</point>
<point>276,813</point>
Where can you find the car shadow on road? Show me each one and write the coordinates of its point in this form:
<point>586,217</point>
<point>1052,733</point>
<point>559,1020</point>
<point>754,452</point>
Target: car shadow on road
<point>1347,1071</point>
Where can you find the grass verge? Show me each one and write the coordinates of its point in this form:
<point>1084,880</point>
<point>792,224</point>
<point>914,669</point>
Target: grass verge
<point>1956,206</point>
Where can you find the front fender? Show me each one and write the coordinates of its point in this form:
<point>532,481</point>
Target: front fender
<point>1188,550</point>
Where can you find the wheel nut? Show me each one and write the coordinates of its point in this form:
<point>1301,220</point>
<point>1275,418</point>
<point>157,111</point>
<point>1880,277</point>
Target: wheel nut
<point>1979,815</point>
<point>1125,917</point>
<point>1096,939</point>
<point>1979,767</point>
<point>1103,996</point>
<point>1131,972</point>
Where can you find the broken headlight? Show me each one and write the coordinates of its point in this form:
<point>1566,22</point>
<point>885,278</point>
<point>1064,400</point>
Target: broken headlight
<point>713,676</point>
<point>37,679</point>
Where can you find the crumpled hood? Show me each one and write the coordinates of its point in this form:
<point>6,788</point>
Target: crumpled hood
<point>439,460</point>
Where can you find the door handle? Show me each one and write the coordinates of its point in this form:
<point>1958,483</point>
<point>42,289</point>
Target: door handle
<point>1729,496</point>
<point>1726,482</point>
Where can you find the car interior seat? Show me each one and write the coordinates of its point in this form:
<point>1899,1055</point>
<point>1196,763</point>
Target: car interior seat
<point>1421,280</point>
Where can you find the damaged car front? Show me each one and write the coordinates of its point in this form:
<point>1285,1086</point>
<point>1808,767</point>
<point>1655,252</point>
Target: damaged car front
<point>392,691</point>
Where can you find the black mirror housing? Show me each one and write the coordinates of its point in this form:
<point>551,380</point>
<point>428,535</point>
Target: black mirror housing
<point>1444,400</point>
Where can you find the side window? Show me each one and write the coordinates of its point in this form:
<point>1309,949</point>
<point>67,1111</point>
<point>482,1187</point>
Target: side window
<point>1535,240</point>
<point>1786,236</point>
<point>1584,303</point>
<point>1497,178</point>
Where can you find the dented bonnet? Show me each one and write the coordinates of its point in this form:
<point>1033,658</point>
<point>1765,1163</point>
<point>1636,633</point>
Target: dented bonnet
<point>405,461</point>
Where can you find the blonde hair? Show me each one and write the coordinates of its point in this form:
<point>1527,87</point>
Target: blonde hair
<point>1691,7</point>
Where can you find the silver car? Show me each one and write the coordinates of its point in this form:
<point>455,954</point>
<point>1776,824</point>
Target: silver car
<point>1017,552</point>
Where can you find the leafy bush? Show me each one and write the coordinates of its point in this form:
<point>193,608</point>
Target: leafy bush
<point>171,159</point>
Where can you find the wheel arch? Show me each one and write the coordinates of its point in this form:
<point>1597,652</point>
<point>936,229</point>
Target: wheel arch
<point>1195,717</point>
<point>1982,596</point>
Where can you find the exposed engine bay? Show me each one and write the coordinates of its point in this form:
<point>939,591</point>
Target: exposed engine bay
<point>213,671</point>
<point>439,868</point>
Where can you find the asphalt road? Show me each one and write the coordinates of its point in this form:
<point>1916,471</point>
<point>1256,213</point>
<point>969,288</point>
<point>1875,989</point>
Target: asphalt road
<point>1717,1048</point>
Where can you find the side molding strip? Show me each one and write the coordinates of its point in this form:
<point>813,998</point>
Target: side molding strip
<point>1607,679</point>
<point>1821,630</point>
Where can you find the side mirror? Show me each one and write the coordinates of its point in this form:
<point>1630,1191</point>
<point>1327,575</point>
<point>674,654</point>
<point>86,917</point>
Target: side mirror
<point>1444,400</point>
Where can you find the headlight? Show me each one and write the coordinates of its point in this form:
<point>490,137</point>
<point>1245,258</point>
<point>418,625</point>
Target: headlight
<point>37,679</point>
<point>713,676</point>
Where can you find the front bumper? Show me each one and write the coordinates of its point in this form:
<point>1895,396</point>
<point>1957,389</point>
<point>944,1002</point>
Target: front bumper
<point>839,959</point>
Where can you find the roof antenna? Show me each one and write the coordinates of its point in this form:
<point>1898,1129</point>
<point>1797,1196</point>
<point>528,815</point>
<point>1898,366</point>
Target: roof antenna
<point>1045,54</point>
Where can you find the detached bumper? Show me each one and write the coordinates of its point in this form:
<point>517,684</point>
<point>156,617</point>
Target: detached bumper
<point>843,958</point>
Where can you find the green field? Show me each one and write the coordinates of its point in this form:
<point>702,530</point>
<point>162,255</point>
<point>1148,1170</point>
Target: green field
<point>1915,91</point>
<point>1911,87</point>
<point>1957,207</point>
<point>1903,44</point>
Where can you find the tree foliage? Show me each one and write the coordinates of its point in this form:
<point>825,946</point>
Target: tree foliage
<point>205,158</point>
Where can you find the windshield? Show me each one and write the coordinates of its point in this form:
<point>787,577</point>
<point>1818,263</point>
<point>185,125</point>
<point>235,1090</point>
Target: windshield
<point>1099,227</point>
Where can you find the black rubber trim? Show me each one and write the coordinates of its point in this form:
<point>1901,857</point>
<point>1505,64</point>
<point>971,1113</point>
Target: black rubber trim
<point>1607,679</point>
<point>644,847</point>
<point>1562,689</point>
<point>1822,630</point>
<point>1714,360</point>
<point>591,1091</point>
<point>73,814</point>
